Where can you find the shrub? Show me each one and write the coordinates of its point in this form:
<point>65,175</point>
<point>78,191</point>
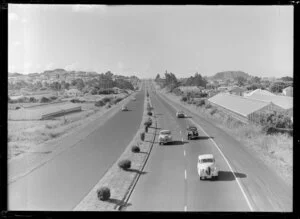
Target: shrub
<point>208,106</point>
<point>201,103</point>
<point>106,99</point>
<point>44,100</point>
<point>125,164</point>
<point>184,99</point>
<point>146,128</point>
<point>32,100</point>
<point>149,113</point>
<point>135,149</point>
<point>117,100</point>
<point>99,103</point>
<point>53,98</point>
<point>108,106</point>
<point>142,135</point>
<point>103,193</point>
<point>213,111</point>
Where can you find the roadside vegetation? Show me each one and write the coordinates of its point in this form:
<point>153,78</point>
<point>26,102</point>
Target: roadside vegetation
<point>270,136</point>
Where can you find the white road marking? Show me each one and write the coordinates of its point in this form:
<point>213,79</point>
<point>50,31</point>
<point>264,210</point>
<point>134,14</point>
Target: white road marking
<point>181,139</point>
<point>180,132</point>
<point>238,182</point>
<point>184,174</point>
<point>185,208</point>
<point>184,152</point>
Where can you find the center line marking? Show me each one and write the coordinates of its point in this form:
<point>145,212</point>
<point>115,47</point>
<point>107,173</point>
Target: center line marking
<point>184,152</point>
<point>185,174</point>
<point>185,208</point>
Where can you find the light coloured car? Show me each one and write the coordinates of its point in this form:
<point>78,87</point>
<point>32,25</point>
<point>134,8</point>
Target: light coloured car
<point>180,114</point>
<point>164,137</point>
<point>206,166</point>
<point>124,108</point>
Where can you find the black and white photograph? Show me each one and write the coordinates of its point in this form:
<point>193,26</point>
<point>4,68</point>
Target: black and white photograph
<point>150,108</point>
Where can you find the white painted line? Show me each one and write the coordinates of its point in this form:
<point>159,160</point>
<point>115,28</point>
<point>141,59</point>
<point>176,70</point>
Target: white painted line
<point>184,152</point>
<point>184,174</point>
<point>185,208</point>
<point>238,182</point>
<point>180,131</point>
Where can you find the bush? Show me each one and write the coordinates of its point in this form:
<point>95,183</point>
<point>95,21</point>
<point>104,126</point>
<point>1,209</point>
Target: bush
<point>149,113</point>
<point>99,103</point>
<point>108,106</point>
<point>208,106</point>
<point>106,99</point>
<point>201,103</point>
<point>32,100</point>
<point>103,193</point>
<point>142,135</point>
<point>184,99</point>
<point>213,111</point>
<point>44,100</point>
<point>125,164</point>
<point>117,100</point>
<point>135,149</point>
<point>53,98</point>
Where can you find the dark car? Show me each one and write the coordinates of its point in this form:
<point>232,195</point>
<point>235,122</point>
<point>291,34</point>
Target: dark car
<point>192,132</point>
<point>180,114</point>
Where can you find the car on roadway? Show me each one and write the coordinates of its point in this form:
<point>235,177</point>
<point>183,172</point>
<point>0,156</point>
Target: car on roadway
<point>192,132</point>
<point>165,136</point>
<point>180,114</point>
<point>206,166</point>
<point>124,108</point>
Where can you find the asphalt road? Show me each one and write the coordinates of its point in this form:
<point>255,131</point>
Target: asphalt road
<point>172,182</point>
<point>62,183</point>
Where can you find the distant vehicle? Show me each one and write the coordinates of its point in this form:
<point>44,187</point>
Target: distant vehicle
<point>192,132</point>
<point>180,114</point>
<point>124,108</point>
<point>206,167</point>
<point>164,136</point>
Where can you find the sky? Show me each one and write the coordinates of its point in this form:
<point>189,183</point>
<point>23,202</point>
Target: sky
<point>147,40</point>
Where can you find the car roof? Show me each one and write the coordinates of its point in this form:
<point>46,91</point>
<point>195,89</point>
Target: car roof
<point>205,156</point>
<point>191,127</point>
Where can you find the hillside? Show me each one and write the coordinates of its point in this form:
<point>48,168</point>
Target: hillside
<point>229,75</point>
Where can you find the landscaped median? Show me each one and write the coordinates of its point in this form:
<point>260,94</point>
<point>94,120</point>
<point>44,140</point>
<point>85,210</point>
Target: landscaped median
<point>120,181</point>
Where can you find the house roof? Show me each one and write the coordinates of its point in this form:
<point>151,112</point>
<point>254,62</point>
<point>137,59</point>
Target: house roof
<point>288,88</point>
<point>284,102</point>
<point>241,105</point>
<point>260,91</point>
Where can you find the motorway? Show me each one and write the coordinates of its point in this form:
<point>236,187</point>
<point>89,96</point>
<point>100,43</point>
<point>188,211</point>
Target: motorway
<point>62,183</point>
<point>172,182</point>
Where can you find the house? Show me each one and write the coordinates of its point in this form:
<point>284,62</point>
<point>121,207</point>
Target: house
<point>288,91</point>
<point>259,92</point>
<point>73,92</point>
<point>237,90</point>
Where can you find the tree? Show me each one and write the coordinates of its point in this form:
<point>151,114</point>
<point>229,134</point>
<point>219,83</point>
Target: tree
<point>79,84</point>
<point>157,77</point>
<point>241,81</point>
<point>286,78</point>
<point>55,86</point>
<point>277,87</point>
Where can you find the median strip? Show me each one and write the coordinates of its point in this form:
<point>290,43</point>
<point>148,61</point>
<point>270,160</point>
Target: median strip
<point>121,182</point>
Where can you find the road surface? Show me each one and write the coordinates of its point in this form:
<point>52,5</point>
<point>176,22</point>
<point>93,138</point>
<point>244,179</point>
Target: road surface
<point>172,182</point>
<point>62,183</point>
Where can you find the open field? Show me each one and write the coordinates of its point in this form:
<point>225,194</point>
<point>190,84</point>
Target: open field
<point>274,150</point>
<point>29,136</point>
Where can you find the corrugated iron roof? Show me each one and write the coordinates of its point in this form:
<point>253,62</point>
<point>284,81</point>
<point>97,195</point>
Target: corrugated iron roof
<point>285,102</point>
<point>241,105</point>
<point>260,91</point>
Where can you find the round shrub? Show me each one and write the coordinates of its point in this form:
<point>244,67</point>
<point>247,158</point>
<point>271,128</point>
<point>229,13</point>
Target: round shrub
<point>149,113</point>
<point>201,103</point>
<point>142,135</point>
<point>213,111</point>
<point>32,100</point>
<point>208,106</point>
<point>184,99</point>
<point>44,100</point>
<point>103,193</point>
<point>135,149</point>
<point>125,164</point>
<point>53,97</point>
<point>99,103</point>
<point>146,128</point>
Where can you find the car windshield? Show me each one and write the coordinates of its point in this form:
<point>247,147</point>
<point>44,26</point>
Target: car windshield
<point>165,132</point>
<point>207,160</point>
